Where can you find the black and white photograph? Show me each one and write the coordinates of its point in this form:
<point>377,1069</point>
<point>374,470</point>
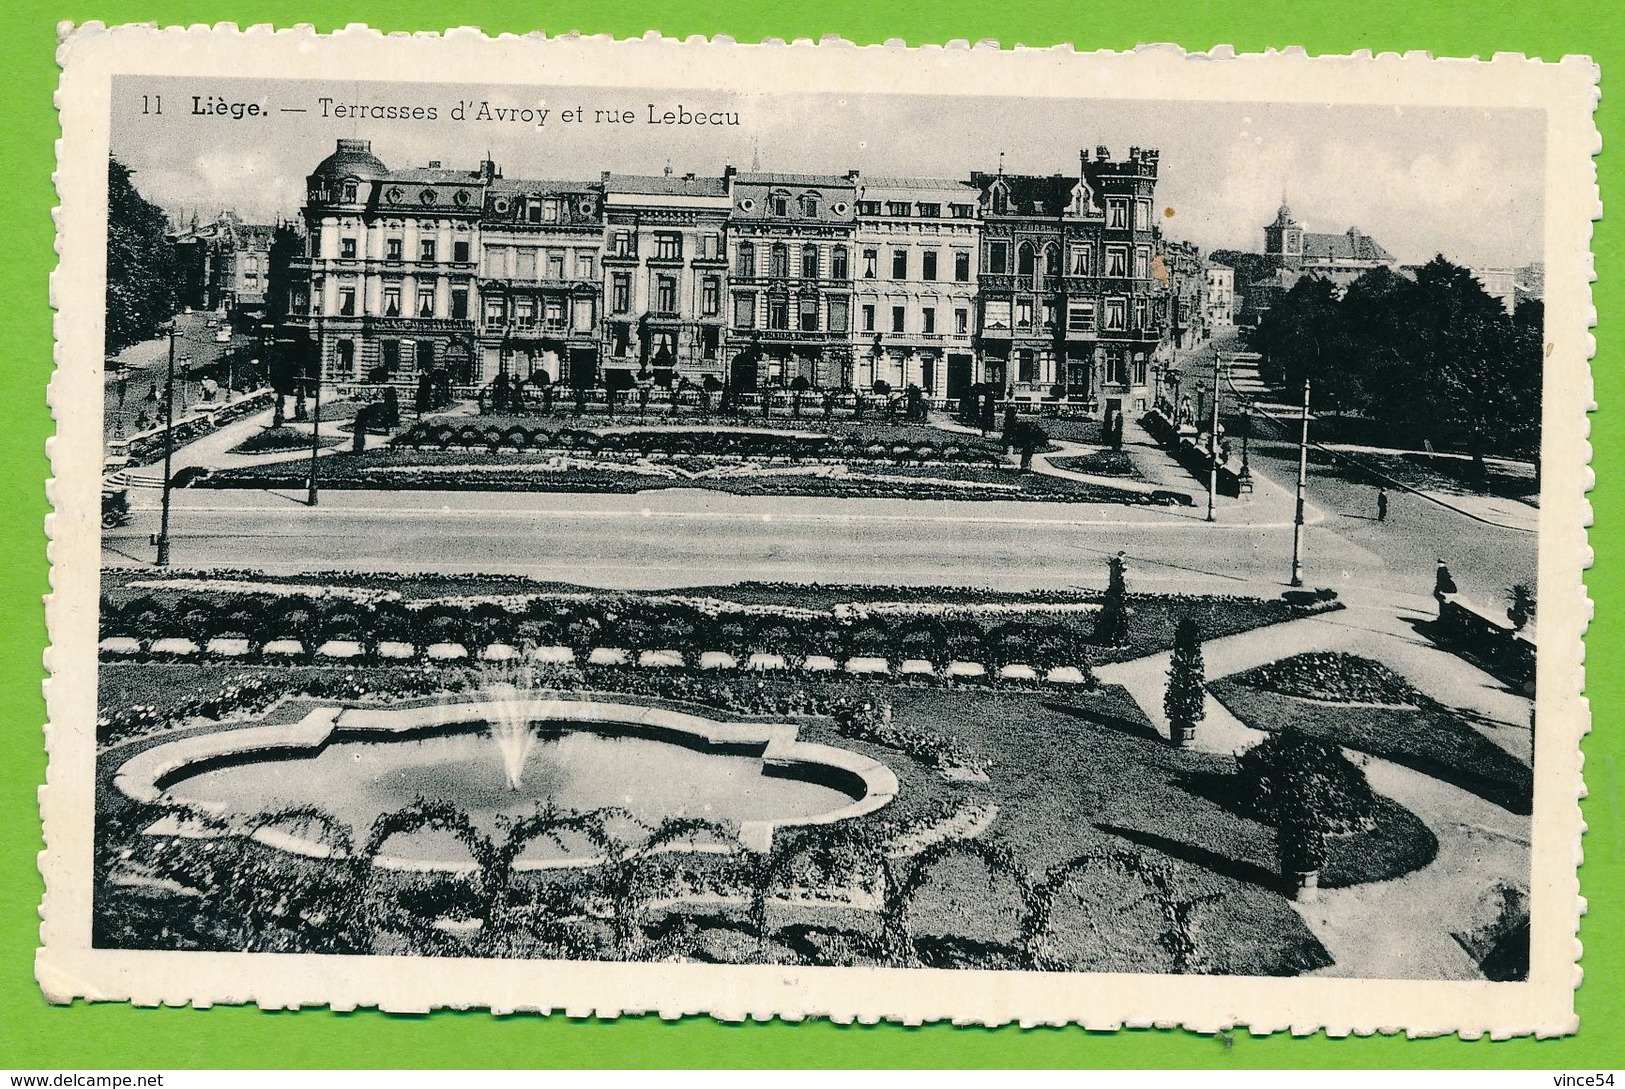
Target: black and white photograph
<point>798,526</point>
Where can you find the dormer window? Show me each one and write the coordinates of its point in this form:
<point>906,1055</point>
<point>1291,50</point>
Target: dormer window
<point>350,190</point>
<point>780,204</point>
<point>809,205</point>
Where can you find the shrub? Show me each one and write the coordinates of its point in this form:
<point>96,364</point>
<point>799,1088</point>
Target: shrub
<point>1184,699</point>
<point>1307,789</point>
<point>1111,623</point>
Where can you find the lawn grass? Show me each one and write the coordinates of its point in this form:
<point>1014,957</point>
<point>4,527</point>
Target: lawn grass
<point>1430,738</point>
<point>1073,775</point>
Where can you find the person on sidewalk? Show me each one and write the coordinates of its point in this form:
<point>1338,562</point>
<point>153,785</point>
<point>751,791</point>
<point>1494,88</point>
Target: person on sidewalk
<point>1443,584</point>
<point>1382,504</point>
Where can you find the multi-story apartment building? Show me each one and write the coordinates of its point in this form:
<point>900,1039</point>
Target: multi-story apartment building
<point>224,265</point>
<point>387,287</point>
<point>1066,281</point>
<point>664,277</point>
<point>539,280</point>
<point>918,242</point>
<point>1219,295</point>
<point>790,237</point>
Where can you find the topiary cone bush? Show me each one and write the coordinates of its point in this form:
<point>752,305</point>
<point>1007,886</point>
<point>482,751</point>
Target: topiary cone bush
<point>1308,790</point>
<point>1111,623</point>
<point>1184,700</point>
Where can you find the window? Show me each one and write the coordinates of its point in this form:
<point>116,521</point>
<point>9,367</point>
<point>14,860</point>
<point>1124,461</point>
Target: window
<point>839,309</point>
<point>1026,261</point>
<point>1143,214</point>
<point>1024,314</point>
<point>1047,312</point>
<point>780,204</point>
<point>620,244</point>
<point>809,262</point>
<point>809,205</point>
<point>1142,262</point>
<point>998,257</point>
<point>425,354</point>
<point>392,302</point>
<point>929,210</point>
<point>392,249</point>
<point>710,246</point>
<point>962,267</point>
<point>1117,214</point>
<point>347,249</point>
<point>779,261</point>
<point>550,210</point>
<point>837,264</point>
<point>928,319</point>
<point>1116,261</point>
<point>1026,366</point>
<point>666,294</point>
<point>778,312</point>
<point>533,211</point>
<point>620,338</point>
<point>390,350</point>
<point>496,311</point>
<point>553,315</point>
<point>459,303</point>
<point>899,264</point>
<point>747,260</point>
<point>425,302</point>
<point>1078,256</point>
<point>497,262</point>
<point>928,265</point>
<point>963,211</point>
<point>426,249</point>
<point>346,359</point>
<point>668,246</point>
<point>961,321</point>
<point>1116,365</point>
<point>868,207</point>
<point>620,292</point>
<point>583,315</point>
<point>524,312</point>
<point>711,296</point>
<point>584,265</point>
<point>745,311</point>
<point>897,207</point>
<point>555,265</point>
<point>996,314</point>
<point>525,263</point>
<point>350,192</point>
<point>898,314</point>
<point>1141,313</point>
<point>808,315</point>
<point>346,302</point>
<point>459,250</point>
<point>1080,316</point>
<point>868,317</point>
<point>1116,313</point>
<point>870,259</point>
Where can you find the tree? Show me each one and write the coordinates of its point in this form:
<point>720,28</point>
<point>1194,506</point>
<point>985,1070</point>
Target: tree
<point>1307,789</point>
<point>1111,623</point>
<point>1183,702</point>
<point>142,269</point>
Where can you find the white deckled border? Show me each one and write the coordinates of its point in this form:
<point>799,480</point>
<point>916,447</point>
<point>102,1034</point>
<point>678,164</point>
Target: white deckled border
<point>68,967</point>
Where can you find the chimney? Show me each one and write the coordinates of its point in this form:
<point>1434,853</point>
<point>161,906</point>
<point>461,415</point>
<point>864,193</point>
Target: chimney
<point>853,176</point>
<point>1102,153</point>
<point>434,164</point>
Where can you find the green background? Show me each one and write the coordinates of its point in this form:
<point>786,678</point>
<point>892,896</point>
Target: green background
<point>34,1035</point>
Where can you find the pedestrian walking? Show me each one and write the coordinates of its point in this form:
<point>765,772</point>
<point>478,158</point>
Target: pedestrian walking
<point>1382,504</point>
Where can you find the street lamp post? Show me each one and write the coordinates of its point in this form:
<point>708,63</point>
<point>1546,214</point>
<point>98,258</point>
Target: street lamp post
<point>123,380</point>
<point>1303,486</point>
<point>1213,443</point>
<point>315,422</point>
<point>1246,434</point>
<point>169,452</point>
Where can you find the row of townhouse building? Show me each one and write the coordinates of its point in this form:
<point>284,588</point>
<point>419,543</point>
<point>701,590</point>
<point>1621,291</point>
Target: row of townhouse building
<point>1037,285</point>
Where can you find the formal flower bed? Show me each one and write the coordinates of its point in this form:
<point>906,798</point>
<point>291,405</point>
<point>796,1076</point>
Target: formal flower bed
<point>274,440</point>
<point>1334,677</point>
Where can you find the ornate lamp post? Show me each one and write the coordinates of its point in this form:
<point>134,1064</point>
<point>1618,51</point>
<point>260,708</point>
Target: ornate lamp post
<point>316,420</point>
<point>122,381</point>
<point>169,451</point>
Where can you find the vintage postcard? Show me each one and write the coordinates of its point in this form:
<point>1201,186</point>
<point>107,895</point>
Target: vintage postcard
<point>817,531</point>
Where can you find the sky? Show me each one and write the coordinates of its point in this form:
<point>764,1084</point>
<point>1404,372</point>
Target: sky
<point>1467,183</point>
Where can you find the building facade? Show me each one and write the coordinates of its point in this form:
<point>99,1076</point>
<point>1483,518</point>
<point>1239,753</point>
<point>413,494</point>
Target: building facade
<point>665,272</point>
<point>387,288</point>
<point>224,265</point>
<point>1219,295</point>
<point>541,292</point>
<point>918,245</point>
<point>790,242</point>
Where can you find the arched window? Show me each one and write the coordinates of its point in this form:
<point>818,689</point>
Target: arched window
<point>1052,262</point>
<point>809,262</point>
<point>747,259</point>
<point>780,266</point>
<point>1025,260</point>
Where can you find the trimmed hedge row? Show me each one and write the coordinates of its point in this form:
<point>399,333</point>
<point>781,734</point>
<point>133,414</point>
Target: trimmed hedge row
<point>727,443</point>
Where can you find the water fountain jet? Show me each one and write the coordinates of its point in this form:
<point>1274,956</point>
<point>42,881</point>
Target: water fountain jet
<point>510,699</point>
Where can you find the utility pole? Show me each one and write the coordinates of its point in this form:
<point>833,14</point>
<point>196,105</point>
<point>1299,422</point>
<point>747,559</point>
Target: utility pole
<point>316,422</point>
<point>1303,487</point>
<point>169,450</point>
<point>1213,442</point>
